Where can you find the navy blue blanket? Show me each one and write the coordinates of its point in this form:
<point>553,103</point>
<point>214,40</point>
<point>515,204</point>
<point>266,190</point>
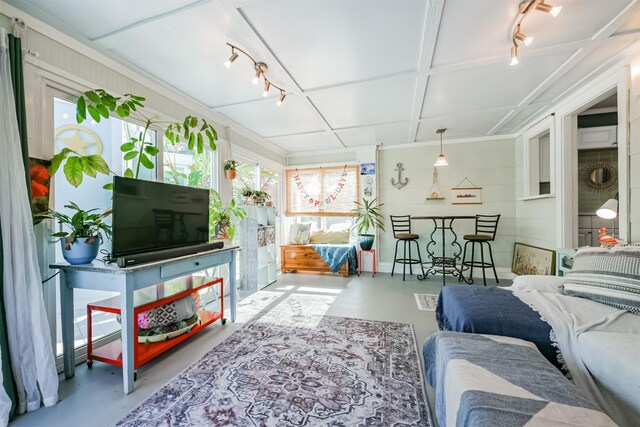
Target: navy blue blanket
<point>495,311</point>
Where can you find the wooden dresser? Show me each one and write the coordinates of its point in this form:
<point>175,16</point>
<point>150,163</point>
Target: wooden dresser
<point>305,258</point>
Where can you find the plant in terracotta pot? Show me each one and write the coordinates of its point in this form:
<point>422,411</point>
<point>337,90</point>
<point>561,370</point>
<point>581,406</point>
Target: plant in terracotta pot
<point>230,167</point>
<point>81,243</point>
<point>221,217</point>
<point>366,216</point>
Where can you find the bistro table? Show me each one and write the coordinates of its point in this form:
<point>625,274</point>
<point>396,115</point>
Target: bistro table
<point>444,264</point>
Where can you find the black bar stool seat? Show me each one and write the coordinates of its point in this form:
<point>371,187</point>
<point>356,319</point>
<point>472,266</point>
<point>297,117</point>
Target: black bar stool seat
<point>401,225</point>
<point>486,229</point>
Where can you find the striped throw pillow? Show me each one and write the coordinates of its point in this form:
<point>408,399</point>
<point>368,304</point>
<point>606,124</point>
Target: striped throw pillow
<point>609,276</point>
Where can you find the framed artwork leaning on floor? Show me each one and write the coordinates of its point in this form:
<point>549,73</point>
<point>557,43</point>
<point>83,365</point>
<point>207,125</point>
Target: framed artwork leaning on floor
<point>531,260</point>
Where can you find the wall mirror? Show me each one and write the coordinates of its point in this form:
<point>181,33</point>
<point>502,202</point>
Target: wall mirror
<point>598,176</point>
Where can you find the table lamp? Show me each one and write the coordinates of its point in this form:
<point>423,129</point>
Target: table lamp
<point>609,211</point>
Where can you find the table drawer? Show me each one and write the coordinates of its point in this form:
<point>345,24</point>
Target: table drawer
<point>187,266</point>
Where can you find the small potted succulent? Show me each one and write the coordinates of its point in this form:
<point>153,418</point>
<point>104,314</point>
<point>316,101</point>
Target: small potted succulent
<point>230,168</point>
<point>366,216</point>
<point>81,243</point>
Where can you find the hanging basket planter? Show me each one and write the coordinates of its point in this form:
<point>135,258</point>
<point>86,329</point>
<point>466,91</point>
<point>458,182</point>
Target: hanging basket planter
<point>230,167</point>
<point>231,174</point>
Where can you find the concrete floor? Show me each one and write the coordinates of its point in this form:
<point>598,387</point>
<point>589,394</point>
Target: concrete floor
<point>94,397</point>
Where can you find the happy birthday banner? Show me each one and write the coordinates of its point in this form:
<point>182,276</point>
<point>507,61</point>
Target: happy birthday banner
<point>315,201</point>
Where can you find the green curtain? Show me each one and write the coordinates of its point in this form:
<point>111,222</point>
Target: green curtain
<point>17,78</point>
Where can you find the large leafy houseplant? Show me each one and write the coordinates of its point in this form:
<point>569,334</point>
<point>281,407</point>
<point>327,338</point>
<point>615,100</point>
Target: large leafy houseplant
<point>366,215</point>
<point>99,104</point>
<point>85,230</point>
<point>221,217</point>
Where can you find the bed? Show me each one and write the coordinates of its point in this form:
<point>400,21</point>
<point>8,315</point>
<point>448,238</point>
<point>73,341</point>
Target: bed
<point>495,311</point>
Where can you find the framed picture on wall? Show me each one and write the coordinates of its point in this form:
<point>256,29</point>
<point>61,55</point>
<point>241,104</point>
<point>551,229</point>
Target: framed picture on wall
<point>531,260</point>
<point>466,195</point>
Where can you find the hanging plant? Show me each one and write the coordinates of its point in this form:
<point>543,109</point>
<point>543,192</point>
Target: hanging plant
<point>99,104</point>
<point>230,167</point>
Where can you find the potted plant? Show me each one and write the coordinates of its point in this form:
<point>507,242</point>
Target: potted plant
<point>247,193</point>
<point>230,167</point>
<point>259,197</point>
<point>366,216</point>
<point>220,216</point>
<point>80,245</point>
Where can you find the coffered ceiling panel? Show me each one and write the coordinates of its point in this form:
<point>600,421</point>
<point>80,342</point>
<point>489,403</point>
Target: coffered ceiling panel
<point>366,104</point>
<point>94,18</point>
<point>388,134</point>
<point>168,54</point>
<point>493,86</point>
<point>268,120</point>
<point>356,72</point>
<point>323,43</point>
<point>602,57</point>
<point>308,142</point>
<point>461,125</point>
<point>516,120</point>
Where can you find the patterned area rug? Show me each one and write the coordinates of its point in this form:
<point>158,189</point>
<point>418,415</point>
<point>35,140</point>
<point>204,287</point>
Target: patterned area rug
<point>293,366</point>
<point>426,302</point>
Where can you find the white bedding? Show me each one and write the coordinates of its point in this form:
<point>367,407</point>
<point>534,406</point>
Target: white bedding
<point>600,345</point>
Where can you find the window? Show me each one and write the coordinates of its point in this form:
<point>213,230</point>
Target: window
<point>269,183</point>
<point>104,138</point>
<point>328,191</point>
<point>538,160</point>
<point>245,178</point>
<point>187,167</point>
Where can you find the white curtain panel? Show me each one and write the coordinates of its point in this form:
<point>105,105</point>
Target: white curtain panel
<point>30,349</point>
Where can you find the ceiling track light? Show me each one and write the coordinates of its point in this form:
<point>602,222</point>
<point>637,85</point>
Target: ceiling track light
<point>524,9</point>
<point>260,68</point>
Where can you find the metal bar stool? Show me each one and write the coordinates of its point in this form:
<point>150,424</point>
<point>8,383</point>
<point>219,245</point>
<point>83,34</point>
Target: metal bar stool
<point>401,225</point>
<point>486,228</point>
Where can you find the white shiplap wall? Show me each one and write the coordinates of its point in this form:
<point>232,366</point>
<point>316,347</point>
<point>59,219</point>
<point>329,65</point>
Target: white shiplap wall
<point>634,165</point>
<point>487,163</point>
<point>536,223</point>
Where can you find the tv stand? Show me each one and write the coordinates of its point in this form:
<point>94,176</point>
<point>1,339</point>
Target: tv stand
<point>108,277</point>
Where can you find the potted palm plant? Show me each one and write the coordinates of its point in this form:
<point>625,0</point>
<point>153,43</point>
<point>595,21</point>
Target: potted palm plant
<point>367,215</point>
<point>230,168</point>
<point>81,243</point>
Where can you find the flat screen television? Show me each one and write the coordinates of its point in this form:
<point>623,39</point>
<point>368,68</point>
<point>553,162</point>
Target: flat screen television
<point>150,216</point>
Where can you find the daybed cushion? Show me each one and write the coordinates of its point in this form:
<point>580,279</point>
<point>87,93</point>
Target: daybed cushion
<point>496,311</point>
<point>609,276</point>
<point>485,380</point>
<point>329,237</point>
<point>299,233</point>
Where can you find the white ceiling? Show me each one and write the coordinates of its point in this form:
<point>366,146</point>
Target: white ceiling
<point>356,72</point>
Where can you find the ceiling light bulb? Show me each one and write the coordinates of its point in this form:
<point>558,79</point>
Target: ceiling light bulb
<point>523,38</point>
<point>267,86</point>
<point>442,161</point>
<point>232,58</point>
<point>545,7</point>
<point>281,99</point>
<point>514,55</point>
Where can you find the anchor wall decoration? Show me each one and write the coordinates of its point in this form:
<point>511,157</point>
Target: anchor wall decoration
<point>400,183</point>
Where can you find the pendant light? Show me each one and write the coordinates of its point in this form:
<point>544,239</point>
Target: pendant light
<point>442,160</point>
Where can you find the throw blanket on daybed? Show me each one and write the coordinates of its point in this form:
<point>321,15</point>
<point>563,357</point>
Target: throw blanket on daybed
<point>494,311</point>
<point>485,380</point>
<point>336,255</point>
<point>600,345</point>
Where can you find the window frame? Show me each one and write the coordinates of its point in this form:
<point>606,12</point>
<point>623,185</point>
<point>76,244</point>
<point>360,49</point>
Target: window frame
<point>531,163</point>
<point>289,175</point>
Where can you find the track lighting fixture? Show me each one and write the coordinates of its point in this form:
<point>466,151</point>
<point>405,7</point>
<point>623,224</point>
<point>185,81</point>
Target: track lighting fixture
<point>232,58</point>
<point>547,8</point>
<point>514,55</point>
<point>527,40</point>
<point>524,8</point>
<point>261,68</point>
<point>442,160</point>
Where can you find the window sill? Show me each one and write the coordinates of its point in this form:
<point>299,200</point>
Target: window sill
<point>543,196</point>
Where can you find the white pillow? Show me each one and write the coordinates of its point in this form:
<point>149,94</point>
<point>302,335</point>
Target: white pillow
<point>300,233</point>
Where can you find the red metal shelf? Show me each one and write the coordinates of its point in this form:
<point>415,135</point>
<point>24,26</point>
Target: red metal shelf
<point>143,352</point>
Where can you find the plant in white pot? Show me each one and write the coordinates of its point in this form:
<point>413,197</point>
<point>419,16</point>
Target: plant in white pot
<point>81,243</point>
<point>367,216</point>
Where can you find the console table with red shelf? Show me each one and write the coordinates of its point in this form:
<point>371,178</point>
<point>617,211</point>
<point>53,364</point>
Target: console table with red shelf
<point>108,277</point>
<point>143,352</point>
